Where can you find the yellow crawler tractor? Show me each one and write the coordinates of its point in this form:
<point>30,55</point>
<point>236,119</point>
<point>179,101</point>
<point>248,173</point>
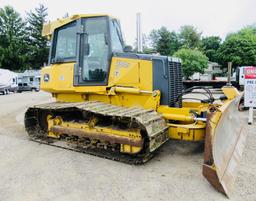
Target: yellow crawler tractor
<point>121,105</point>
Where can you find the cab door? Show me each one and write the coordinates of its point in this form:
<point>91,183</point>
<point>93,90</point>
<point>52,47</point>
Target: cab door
<point>93,52</point>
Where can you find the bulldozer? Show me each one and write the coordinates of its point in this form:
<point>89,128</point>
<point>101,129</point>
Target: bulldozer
<point>121,105</point>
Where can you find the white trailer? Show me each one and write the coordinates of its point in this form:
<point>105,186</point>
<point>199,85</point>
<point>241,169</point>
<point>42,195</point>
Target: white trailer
<point>8,81</point>
<point>29,81</point>
<point>240,75</point>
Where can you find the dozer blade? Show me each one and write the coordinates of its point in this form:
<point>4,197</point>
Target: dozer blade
<point>224,145</point>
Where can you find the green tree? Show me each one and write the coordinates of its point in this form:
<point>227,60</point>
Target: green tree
<point>164,41</point>
<point>148,50</point>
<point>189,37</point>
<point>146,45</point>
<point>239,48</point>
<point>210,46</point>
<point>13,39</point>
<point>192,61</point>
<point>248,31</point>
<point>38,44</point>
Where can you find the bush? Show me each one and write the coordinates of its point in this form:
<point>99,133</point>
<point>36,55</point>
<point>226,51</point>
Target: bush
<point>193,61</point>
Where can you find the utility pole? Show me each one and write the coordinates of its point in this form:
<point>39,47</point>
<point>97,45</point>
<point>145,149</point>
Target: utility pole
<point>229,73</point>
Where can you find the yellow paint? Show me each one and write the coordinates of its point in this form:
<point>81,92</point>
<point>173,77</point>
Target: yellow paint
<point>49,28</point>
<point>189,132</point>
<point>131,93</point>
<point>129,149</point>
<point>196,106</point>
<point>133,73</point>
<point>130,84</point>
<point>51,122</point>
<point>126,89</point>
<point>179,114</point>
<point>97,130</point>
<point>230,92</point>
<point>61,81</point>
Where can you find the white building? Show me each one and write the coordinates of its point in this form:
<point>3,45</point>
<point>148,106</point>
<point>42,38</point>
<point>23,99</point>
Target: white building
<point>212,69</point>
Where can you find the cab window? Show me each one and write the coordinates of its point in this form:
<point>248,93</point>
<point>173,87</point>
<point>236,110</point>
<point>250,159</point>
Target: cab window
<point>116,36</point>
<point>65,43</point>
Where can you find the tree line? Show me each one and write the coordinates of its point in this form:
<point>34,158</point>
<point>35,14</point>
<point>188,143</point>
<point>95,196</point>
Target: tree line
<point>196,50</point>
<point>21,44</point>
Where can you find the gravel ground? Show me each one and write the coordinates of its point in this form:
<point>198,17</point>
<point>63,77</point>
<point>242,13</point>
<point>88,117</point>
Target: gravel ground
<point>31,171</point>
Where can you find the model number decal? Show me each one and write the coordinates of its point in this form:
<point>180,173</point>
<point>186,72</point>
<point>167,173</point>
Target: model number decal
<point>119,65</point>
<point>122,64</point>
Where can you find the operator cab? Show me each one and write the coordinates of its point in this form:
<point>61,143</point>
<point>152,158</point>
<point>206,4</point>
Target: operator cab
<point>89,43</point>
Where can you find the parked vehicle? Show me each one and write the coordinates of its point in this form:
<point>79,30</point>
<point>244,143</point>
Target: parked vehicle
<point>240,75</point>
<point>14,85</point>
<point>29,81</point>
<point>8,81</point>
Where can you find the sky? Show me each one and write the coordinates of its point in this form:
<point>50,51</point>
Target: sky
<point>211,17</point>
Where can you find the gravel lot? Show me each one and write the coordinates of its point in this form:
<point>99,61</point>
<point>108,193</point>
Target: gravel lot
<point>31,171</point>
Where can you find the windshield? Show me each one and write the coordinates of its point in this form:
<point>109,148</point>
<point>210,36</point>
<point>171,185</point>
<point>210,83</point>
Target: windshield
<point>65,43</point>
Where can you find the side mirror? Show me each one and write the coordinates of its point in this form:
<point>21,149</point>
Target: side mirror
<point>128,48</point>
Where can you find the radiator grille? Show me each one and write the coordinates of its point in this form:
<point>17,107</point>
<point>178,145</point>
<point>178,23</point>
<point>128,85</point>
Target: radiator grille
<point>175,83</point>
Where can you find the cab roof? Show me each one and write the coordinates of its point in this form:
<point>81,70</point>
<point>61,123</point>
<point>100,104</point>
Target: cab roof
<point>49,27</point>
